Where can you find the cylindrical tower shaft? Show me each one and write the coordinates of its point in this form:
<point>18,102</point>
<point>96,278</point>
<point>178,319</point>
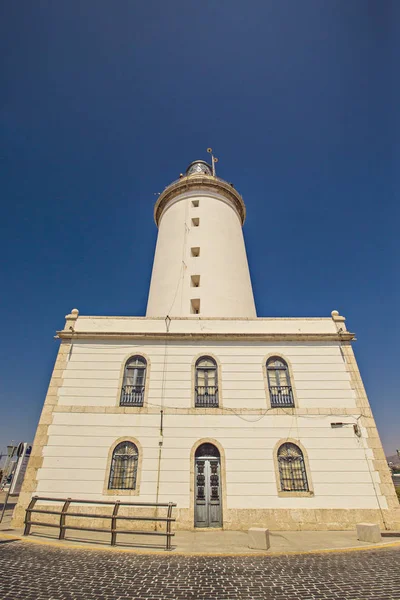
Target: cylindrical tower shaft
<point>200,264</point>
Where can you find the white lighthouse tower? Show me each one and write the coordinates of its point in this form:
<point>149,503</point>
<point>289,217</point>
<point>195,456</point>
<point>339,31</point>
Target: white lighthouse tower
<point>200,264</point>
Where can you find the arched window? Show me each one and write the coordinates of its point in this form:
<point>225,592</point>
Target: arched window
<point>280,389</point>
<point>132,393</point>
<point>124,466</point>
<point>208,450</point>
<point>292,470</point>
<point>206,384</point>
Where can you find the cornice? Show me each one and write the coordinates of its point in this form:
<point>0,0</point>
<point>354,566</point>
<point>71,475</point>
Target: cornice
<point>262,337</point>
<point>193,182</point>
<point>200,318</point>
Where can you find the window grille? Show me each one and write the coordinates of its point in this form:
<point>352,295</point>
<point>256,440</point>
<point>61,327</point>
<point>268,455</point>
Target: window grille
<point>133,385</point>
<point>208,450</point>
<point>124,467</point>
<point>280,389</point>
<point>206,384</point>
<point>292,470</point>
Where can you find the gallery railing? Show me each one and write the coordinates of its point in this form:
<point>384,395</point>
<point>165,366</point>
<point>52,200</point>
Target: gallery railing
<point>281,395</point>
<point>206,396</point>
<point>64,513</point>
<point>132,395</point>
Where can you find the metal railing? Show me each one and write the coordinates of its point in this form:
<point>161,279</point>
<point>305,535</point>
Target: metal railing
<point>132,395</point>
<point>206,396</point>
<point>202,176</point>
<point>114,517</point>
<point>281,395</point>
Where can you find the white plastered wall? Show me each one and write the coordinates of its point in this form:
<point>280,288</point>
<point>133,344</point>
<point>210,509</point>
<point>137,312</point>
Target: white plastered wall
<point>88,420</point>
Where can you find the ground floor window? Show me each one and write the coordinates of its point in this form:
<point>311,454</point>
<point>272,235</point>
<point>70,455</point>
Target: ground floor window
<point>124,466</point>
<point>292,470</point>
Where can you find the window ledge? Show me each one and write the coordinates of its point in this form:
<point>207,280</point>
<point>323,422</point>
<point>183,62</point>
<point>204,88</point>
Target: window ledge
<point>295,494</point>
<point>116,492</point>
<point>131,409</point>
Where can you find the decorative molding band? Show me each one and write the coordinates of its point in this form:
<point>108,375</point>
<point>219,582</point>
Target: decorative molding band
<point>178,410</point>
<point>262,337</point>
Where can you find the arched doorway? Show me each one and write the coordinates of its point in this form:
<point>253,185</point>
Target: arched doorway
<point>207,500</point>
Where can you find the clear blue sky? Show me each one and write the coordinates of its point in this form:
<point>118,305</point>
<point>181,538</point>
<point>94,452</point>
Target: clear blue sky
<point>104,103</point>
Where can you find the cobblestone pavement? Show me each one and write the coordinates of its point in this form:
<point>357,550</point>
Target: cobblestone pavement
<point>36,572</point>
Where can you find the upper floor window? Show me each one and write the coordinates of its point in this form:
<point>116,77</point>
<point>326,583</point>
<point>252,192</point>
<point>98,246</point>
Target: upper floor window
<point>124,466</point>
<point>292,470</point>
<point>280,389</point>
<point>206,384</point>
<point>132,393</point>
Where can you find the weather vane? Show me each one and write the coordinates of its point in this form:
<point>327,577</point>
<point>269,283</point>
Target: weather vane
<point>213,161</point>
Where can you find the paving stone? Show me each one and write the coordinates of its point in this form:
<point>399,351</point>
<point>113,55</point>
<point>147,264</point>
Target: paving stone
<point>33,572</point>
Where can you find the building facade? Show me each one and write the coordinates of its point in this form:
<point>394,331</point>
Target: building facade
<point>242,421</point>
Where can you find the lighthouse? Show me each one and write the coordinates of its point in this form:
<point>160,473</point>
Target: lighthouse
<point>240,420</point>
<point>200,264</point>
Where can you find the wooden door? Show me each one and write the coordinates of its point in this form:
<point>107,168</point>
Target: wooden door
<point>208,507</point>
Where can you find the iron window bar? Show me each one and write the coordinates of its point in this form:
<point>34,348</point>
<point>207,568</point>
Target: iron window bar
<point>132,395</point>
<point>292,470</point>
<point>124,465</point>
<point>206,396</point>
<point>114,517</point>
<point>281,395</point>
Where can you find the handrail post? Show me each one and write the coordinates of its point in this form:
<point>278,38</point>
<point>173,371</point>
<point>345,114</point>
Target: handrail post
<point>62,518</point>
<point>114,523</point>
<point>169,514</point>
<point>28,515</point>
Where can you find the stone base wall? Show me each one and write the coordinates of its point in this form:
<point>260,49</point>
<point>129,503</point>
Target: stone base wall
<point>297,519</point>
<point>233,519</point>
<point>309,519</point>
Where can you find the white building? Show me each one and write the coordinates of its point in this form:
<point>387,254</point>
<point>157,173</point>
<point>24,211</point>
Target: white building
<point>242,421</point>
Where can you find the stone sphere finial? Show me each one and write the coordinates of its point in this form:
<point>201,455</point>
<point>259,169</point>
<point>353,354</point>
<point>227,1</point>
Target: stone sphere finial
<point>75,311</point>
<point>335,313</point>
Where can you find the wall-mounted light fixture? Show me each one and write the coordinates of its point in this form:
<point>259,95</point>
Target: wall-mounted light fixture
<point>356,427</point>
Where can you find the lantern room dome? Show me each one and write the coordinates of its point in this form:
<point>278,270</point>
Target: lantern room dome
<point>199,167</point>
